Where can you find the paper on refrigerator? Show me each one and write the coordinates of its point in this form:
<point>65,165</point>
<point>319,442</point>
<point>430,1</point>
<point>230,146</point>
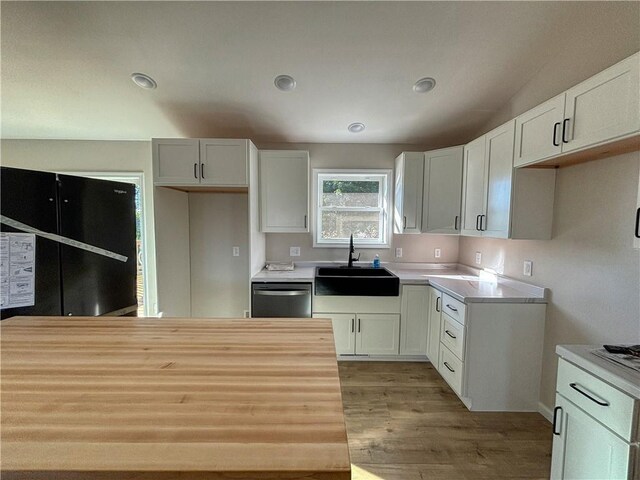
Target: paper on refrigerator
<point>17,269</point>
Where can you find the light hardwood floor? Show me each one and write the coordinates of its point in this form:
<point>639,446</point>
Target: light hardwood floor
<point>404,422</point>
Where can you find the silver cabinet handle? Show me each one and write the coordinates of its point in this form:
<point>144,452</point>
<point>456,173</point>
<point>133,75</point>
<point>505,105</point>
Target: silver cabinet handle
<point>591,396</point>
<point>555,420</point>
<point>195,170</point>
<point>450,334</point>
<point>448,367</point>
<point>281,293</point>
<point>452,308</point>
<point>437,300</point>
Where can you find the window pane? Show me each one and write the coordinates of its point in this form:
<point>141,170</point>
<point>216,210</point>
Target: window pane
<point>353,193</point>
<point>339,225</point>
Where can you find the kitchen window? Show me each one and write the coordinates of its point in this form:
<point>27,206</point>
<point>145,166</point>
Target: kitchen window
<point>350,202</point>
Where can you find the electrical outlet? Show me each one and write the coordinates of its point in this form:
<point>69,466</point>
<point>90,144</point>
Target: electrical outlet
<point>398,252</point>
<point>236,251</point>
<point>294,251</point>
<point>528,268</point>
<point>478,258</point>
<point>437,252</point>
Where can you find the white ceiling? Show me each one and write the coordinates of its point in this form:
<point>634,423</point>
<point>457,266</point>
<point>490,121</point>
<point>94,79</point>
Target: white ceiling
<point>66,67</point>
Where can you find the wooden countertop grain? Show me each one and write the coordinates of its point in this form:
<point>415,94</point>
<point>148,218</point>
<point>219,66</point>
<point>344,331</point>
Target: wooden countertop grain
<point>156,398</point>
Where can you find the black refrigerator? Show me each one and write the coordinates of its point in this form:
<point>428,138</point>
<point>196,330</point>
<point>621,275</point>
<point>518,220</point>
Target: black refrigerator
<point>85,241</point>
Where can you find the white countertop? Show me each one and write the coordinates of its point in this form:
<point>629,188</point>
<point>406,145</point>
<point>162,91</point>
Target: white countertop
<point>623,378</point>
<point>463,283</point>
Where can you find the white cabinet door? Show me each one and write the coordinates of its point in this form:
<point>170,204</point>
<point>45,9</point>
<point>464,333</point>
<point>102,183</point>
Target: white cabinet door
<point>473,187</point>
<point>344,331</point>
<point>284,191</point>
<point>377,334</point>
<point>435,315</point>
<point>539,132</point>
<point>224,162</point>
<point>414,315</point>
<point>442,193</point>
<point>176,161</point>
<point>408,192</point>
<point>499,165</point>
<point>585,449</point>
<point>604,107</point>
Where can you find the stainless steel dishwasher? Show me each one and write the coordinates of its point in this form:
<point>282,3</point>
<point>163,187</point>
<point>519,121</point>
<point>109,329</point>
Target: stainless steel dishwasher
<point>290,300</point>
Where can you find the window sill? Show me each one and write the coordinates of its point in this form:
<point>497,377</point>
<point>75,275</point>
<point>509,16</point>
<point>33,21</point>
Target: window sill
<point>379,246</point>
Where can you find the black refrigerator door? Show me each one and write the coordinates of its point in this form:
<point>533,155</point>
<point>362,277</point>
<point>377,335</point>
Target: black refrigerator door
<point>100,213</point>
<point>30,198</point>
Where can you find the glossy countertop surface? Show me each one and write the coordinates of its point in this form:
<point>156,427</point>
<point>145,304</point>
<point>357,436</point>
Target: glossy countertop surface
<point>623,378</point>
<point>463,283</point>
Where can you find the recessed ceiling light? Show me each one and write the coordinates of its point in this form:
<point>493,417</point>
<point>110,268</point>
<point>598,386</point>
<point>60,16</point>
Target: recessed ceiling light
<point>356,127</point>
<point>284,83</point>
<point>424,85</point>
<point>144,81</point>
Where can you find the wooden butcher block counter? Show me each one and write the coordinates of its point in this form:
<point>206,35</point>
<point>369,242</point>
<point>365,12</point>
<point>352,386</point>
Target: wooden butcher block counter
<point>136,398</point>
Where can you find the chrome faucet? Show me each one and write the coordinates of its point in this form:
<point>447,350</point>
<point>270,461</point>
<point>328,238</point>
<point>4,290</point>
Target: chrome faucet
<point>351,252</point>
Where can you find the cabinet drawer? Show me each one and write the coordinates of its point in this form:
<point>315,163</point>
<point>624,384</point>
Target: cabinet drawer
<point>452,335</point>
<point>454,308</point>
<point>607,404</point>
<point>451,369</point>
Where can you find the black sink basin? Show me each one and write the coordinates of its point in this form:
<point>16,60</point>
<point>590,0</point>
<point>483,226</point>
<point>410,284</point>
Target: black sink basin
<point>356,281</point>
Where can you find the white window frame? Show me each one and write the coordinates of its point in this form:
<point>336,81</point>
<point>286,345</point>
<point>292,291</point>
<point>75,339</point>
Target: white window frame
<point>385,198</point>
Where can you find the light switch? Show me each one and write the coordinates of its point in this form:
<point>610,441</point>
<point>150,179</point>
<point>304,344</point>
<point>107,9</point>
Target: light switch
<point>478,258</point>
<point>398,252</point>
<point>528,268</point>
<point>236,251</point>
<point>437,252</point>
<point>294,251</point>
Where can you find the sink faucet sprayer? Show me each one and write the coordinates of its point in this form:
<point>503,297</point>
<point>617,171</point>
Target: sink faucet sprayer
<point>351,252</point>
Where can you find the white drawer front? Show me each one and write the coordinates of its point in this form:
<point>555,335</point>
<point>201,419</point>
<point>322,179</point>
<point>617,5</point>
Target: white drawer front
<point>454,308</point>
<point>452,335</point>
<point>451,369</point>
<point>607,404</point>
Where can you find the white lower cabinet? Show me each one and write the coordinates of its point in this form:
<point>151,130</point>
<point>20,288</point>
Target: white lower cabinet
<point>433,325</point>
<point>414,317</point>
<point>365,334</point>
<point>595,431</point>
<point>585,449</point>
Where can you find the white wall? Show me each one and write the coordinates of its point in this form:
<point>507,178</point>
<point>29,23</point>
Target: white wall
<point>415,248</point>
<point>589,265</point>
<point>219,281</point>
<point>92,156</point>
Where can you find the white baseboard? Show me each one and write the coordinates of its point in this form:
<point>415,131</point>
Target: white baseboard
<point>545,411</point>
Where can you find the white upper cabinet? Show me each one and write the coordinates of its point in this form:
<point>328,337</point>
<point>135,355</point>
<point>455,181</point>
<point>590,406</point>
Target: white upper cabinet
<point>407,216</point>
<point>474,187</point>
<point>176,161</point>
<point>605,108</point>
<point>284,191</point>
<point>191,162</point>
<point>538,132</point>
<point>499,168</point>
<point>224,162</point>
<point>499,202</point>
<point>442,190</point>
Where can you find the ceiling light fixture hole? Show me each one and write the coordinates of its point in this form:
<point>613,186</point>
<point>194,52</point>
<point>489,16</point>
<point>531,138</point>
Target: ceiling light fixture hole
<point>144,81</point>
<point>285,83</point>
<point>424,85</point>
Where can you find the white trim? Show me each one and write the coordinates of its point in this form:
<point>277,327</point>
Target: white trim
<point>545,411</point>
<point>138,178</point>
<point>385,209</point>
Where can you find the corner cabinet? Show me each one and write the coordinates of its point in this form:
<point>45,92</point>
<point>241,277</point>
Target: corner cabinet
<point>414,318</point>
<point>499,202</point>
<point>602,109</point>
<point>284,191</point>
<point>434,302</point>
<point>407,217</point>
<point>442,191</point>
<point>179,162</point>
